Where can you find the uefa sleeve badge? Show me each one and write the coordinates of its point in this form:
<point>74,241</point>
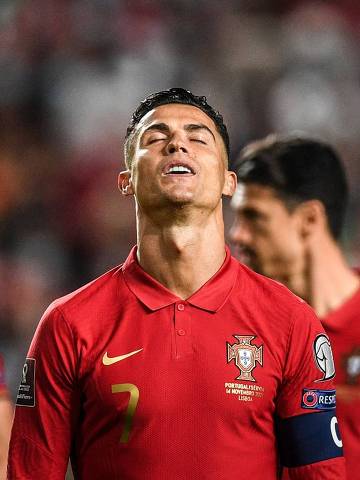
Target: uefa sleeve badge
<point>323,357</point>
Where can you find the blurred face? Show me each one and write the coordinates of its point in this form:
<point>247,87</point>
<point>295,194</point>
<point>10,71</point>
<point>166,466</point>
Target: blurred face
<point>179,159</point>
<point>267,235</point>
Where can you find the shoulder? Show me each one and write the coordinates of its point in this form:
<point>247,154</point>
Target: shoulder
<point>269,289</point>
<point>88,301</point>
<point>345,316</point>
<point>270,304</point>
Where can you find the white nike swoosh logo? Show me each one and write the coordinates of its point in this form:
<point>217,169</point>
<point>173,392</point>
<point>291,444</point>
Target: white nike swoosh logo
<point>110,360</point>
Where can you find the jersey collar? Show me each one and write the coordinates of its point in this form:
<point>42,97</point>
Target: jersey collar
<point>211,296</point>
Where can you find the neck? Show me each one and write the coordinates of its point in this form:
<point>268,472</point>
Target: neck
<point>183,254</point>
<point>330,280</point>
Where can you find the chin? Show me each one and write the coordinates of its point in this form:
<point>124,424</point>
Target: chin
<point>179,201</point>
<point>249,262</point>
<point>179,198</point>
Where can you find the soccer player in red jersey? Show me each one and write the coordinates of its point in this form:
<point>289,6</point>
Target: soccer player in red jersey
<point>6,416</point>
<point>290,206</point>
<point>181,363</point>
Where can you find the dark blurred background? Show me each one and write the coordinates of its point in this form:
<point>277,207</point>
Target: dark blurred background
<point>72,72</point>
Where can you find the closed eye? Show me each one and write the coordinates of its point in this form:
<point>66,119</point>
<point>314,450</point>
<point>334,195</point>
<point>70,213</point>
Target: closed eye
<point>199,132</point>
<point>154,140</point>
<point>199,140</point>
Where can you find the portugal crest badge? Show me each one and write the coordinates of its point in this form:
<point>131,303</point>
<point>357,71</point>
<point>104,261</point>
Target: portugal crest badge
<point>245,356</point>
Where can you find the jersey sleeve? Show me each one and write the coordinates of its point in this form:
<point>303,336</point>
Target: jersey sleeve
<point>47,404</point>
<point>308,434</point>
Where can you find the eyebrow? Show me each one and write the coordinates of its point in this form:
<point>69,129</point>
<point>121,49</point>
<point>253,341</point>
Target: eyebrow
<point>162,127</point>
<point>191,127</point>
<point>251,213</point>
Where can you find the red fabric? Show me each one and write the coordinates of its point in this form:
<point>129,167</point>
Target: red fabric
<point>343,328</point>
<point>318,471</point>
<point>191,416</point>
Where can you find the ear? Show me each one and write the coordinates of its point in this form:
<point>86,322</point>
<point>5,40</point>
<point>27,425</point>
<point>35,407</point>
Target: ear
<point>230,183</point>
<point>124,183</point>
<point>312,217</point>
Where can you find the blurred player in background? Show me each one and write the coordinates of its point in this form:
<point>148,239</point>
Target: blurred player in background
<point>176,364</point>
<point>290,206</point>
<point>6,417</point>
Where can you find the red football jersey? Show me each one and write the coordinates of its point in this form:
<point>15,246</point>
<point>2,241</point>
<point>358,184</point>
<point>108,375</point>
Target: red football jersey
<point>343,328</point>
<point>136,383</point>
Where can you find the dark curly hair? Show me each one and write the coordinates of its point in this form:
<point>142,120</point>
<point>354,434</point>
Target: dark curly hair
<point>174,95</point>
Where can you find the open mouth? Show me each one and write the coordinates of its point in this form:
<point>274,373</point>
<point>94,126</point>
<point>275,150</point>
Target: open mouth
<point>178,169</point>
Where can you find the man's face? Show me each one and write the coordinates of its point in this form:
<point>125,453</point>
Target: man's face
<point>267,235</point>
<point>179,158</point>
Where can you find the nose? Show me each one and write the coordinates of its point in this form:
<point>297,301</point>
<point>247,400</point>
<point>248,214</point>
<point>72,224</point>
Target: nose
<point>240,234</point>
<point>177,144</point>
